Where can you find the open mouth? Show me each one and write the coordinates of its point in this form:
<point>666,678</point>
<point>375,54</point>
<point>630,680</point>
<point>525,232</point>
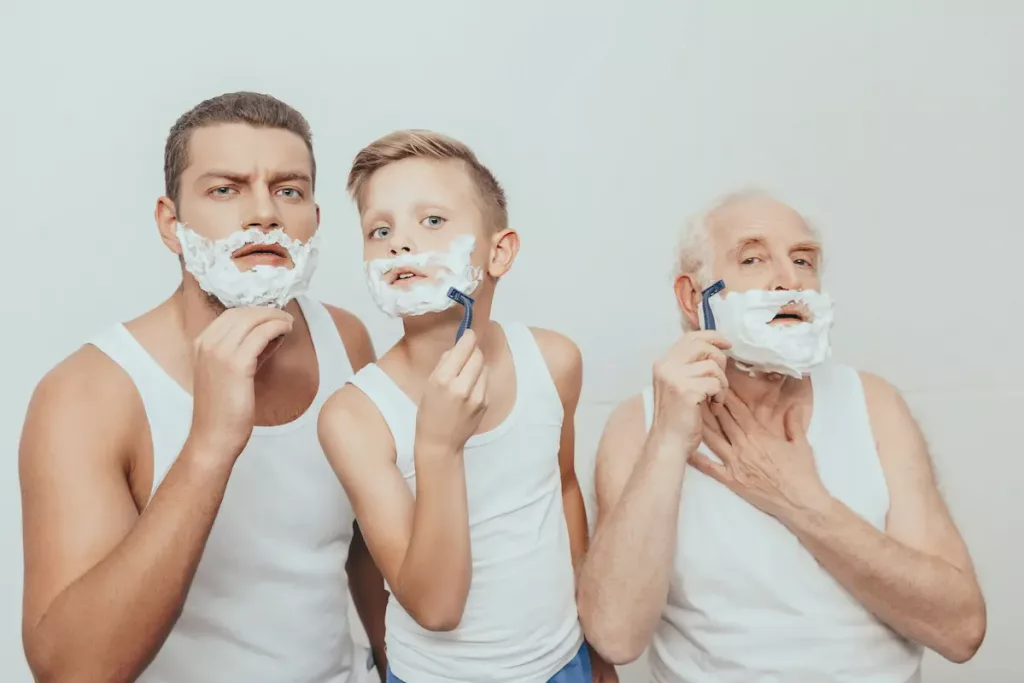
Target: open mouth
<point>405,276</point>
<point>792,313</point>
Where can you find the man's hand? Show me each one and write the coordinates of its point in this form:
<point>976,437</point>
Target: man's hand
<point>772,469</point>
<point>691,373</point>
<point>226,356</point>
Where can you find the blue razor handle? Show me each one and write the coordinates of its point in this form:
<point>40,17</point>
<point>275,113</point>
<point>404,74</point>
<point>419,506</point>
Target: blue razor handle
<point>709,317</point>
<point>467,310</point>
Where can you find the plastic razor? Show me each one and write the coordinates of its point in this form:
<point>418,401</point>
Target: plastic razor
<point>709,317</point>
<point>466,301</point>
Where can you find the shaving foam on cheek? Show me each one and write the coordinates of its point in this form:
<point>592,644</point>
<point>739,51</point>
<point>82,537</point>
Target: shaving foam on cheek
<point>210,262</point>
<point>444,270</point>
<point>792,348</point>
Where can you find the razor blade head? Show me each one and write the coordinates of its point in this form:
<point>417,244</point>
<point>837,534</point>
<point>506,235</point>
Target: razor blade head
<point>458,297</point>
<point>709,316</point>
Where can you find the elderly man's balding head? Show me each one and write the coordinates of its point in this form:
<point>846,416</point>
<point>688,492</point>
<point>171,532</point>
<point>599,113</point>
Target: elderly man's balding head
<point>750,240</point>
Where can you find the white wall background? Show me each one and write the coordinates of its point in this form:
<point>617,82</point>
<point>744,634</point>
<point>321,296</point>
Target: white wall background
<point>895,124</point>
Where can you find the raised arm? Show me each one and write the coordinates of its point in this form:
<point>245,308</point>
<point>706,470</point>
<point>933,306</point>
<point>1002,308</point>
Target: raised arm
<point>104,584</point>
<point>639,479</point>
<point>421,545</point>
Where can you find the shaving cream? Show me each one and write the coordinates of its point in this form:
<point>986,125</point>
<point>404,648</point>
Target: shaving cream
<point>793,348</point>
<point>443,269</point>
<point>210,262</point>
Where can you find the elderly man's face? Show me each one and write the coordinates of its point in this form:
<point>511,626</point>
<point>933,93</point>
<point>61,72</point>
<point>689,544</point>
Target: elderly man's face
<point>757,243</point>
<point>763,244</point>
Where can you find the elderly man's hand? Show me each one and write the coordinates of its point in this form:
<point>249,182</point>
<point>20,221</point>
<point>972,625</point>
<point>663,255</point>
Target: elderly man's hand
<point>770,465</point>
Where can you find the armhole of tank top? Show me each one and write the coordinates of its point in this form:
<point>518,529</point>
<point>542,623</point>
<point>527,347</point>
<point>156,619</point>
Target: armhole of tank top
<point>533,376</point>
<point>390,401</point>
<point>648,398</point>
<point>331,354</point>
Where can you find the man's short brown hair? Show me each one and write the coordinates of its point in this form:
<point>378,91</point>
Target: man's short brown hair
<point>255,109</point>
<point>408,144</point>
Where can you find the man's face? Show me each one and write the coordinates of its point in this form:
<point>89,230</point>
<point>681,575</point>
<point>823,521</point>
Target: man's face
<point>763,244</point>
<point>242,177</point>
<point>420,205</point>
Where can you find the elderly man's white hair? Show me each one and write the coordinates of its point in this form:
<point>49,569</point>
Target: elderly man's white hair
<point>695,254</point>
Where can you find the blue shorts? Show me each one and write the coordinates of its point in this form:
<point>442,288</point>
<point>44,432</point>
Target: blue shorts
<point>576,671</point>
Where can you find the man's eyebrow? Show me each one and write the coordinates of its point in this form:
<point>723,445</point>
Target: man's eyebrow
<point>283,177</point>
<point>226,175</point>
<point>807,246</point>
<point>747,242</point>
<point>290,176</point>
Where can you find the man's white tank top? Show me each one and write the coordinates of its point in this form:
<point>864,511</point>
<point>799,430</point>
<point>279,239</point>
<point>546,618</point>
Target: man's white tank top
<point>748,603</point>
<point>520,623</point>
<point>269,601</point>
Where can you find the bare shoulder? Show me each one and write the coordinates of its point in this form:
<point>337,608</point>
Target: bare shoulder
<point>563,358</point>
<point>352,429</point>
<point>890,416</point>
<point>354,335</point>
<point>84,398</point>
<point>621,444</point>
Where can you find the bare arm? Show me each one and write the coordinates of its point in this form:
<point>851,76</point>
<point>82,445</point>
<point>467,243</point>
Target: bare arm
<point>566,366</point>
<point>917,577</point>
<point>421,545</point>
<point>366,584</point>
<point>103,584</point>
<point>625,577</point>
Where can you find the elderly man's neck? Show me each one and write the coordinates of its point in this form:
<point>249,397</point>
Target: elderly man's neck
<point>762,388</point>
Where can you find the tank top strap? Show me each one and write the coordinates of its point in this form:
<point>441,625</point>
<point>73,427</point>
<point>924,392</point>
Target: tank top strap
<point>395,406</point>
<point>331,354</point>
<point>533,376</point>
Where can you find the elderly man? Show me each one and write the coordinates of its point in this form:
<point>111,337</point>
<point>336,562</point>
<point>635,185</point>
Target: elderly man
<point>808,541</point>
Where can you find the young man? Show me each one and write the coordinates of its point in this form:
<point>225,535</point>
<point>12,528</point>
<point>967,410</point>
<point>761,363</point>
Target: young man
<point>180,521</point>
<point>458,457</point>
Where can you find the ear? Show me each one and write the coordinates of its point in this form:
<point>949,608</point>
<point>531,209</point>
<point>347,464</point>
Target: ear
<point>317,215</point>
<point>504,247</point>
<point>688,298</point>
<point>167,223</point>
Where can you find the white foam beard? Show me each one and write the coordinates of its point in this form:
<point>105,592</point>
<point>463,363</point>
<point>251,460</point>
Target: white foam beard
<point>792,348</point>
<point>210,263</point>
<point>445,269</point>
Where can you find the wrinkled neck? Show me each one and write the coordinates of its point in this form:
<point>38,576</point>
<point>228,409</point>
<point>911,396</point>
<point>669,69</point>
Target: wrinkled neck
<point>760,388</point>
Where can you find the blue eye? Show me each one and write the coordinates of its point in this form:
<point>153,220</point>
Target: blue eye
<point>381,232</point>
<point>222,191</point>
<point>433,222</point>
<point>291,192</point>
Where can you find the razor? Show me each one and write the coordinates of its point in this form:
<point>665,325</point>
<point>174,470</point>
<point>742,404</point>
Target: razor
<point>709,317</point>
<point>466,301</point>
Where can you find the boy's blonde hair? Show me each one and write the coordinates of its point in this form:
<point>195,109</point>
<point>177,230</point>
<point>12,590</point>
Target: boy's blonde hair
<point>408,144</point>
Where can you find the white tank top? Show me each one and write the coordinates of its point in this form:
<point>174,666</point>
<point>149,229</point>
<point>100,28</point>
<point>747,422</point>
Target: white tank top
<point>520,623</point>
<point>269,601</point>
<point>748,603</point>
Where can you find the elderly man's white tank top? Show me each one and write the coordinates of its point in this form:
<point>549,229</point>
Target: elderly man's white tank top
<point>520,623</point>
<point>748,603</point>
<point>269,601</point>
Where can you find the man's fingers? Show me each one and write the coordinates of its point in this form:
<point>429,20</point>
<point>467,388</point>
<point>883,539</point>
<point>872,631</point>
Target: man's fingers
<point>730,428</point>
<point>739,410</point>
<point>261,336</point>
<point>710,467</point>
<point>710,421</point>
<point>240,322</point>
<point>709,368</point>
<point>478,395</point>
<point>713,337</point>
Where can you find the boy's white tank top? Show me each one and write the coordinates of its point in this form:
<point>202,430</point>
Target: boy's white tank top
<point>520,623</point>
<point>269,601</point>
<point>748,603</point>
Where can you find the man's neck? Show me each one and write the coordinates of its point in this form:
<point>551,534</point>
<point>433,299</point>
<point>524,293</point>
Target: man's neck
<point>761,389</point>
<point>195,312</point>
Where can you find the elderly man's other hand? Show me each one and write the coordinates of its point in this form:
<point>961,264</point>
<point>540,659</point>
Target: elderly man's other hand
<point>766,460</point>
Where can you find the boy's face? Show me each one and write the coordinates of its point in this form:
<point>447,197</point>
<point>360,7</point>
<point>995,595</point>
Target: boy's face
<point>420,205</point>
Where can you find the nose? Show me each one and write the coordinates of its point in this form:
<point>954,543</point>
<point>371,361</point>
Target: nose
<point>263,213</point>
<point>399,242</point>
<point>786,276</point>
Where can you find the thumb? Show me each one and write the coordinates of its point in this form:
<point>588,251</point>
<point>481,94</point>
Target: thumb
<point>793,424</point>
